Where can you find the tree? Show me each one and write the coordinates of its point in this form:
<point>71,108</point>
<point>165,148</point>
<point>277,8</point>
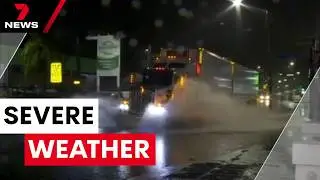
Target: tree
<point>35,57</point>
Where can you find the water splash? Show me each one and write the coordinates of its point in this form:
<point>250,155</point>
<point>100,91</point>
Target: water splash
<point>198,102</point>
<point>107,110</point>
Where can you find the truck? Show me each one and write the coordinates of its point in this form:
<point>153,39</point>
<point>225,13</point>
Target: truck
<point>174,66</point>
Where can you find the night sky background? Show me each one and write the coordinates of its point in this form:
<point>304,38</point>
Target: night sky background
<point>192,23</point>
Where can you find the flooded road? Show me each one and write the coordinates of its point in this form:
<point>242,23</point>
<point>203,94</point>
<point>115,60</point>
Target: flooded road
<point>175,148</point>
<point>224,126</point>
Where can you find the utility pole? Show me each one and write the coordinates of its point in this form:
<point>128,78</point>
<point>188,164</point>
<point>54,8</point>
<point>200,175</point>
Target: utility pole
<point>147,55</point>
<point>314,87</point>
<point>232,76</point>
<point>314,58</point>
<point>268,28</point>
<point>269,55</point>
<point>78,62</point>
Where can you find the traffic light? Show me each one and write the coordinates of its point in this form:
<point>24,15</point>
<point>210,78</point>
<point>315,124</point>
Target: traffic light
<point>132,79</point>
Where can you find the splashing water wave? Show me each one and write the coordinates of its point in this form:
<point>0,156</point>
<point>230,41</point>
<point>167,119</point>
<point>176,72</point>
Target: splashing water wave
<point>216,110</point>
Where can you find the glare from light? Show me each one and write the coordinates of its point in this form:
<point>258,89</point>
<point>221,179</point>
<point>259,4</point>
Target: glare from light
<point>267,97</point>
<point>237,3</point>
<point>267,103</point>
<point>124,107</point>
<point>298,73</point>
<point>125,102</point>
<point>302,112</point>
<point>261,97</point>
<point>157,110</point>
<point>160,155</point>
<point>258,67</point>
<point>181,82</point>
<point>291,63</point>
<point>76,82</point>
<point>250,71</point>
<point>279,81</point>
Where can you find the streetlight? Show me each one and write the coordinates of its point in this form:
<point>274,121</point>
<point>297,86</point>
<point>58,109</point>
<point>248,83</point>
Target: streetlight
<point>291,63</point>
<point>259,67</point>
<point>237,3</point>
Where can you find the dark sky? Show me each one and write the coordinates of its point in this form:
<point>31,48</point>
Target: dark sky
<point>193,22</point>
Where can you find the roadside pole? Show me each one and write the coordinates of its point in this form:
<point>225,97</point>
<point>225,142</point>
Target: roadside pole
<point>314,91</point>
<point>232,77</point>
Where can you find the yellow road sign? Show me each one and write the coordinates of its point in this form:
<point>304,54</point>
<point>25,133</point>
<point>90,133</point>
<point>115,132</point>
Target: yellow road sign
<point>56,72</point>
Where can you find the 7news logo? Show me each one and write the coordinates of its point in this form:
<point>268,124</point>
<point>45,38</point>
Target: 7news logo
<point>23,10</point>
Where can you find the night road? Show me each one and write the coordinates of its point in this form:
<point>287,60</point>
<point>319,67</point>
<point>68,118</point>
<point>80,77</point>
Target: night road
<point>214,81</point>
<point>179,143</point>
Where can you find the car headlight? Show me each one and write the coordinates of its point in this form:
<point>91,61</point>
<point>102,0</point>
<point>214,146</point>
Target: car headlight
<point>153,109</point>
<point>124,107</point>
<point>267,103</point>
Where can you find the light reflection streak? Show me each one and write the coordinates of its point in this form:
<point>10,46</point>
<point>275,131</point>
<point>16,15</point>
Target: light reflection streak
<point>160,152</point>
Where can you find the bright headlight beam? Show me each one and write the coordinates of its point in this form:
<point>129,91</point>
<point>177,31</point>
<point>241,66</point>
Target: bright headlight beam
<point>124,107</point>
<point>156,110</point>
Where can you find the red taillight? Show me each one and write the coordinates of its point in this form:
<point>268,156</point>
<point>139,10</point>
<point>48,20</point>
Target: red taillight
<point>160,68</point>
<point>198,69</point>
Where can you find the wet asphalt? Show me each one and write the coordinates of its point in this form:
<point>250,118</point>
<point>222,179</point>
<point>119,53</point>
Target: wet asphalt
<point>177,145</point>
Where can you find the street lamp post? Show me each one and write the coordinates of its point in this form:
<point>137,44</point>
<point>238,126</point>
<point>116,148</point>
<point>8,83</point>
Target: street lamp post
<point>239,3</point>
<point>267,26</point>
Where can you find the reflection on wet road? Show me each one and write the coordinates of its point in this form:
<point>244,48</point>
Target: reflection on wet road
<point>173,150</point>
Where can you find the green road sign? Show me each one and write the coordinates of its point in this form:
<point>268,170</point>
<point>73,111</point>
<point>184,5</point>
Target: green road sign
<point>109,63</point>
